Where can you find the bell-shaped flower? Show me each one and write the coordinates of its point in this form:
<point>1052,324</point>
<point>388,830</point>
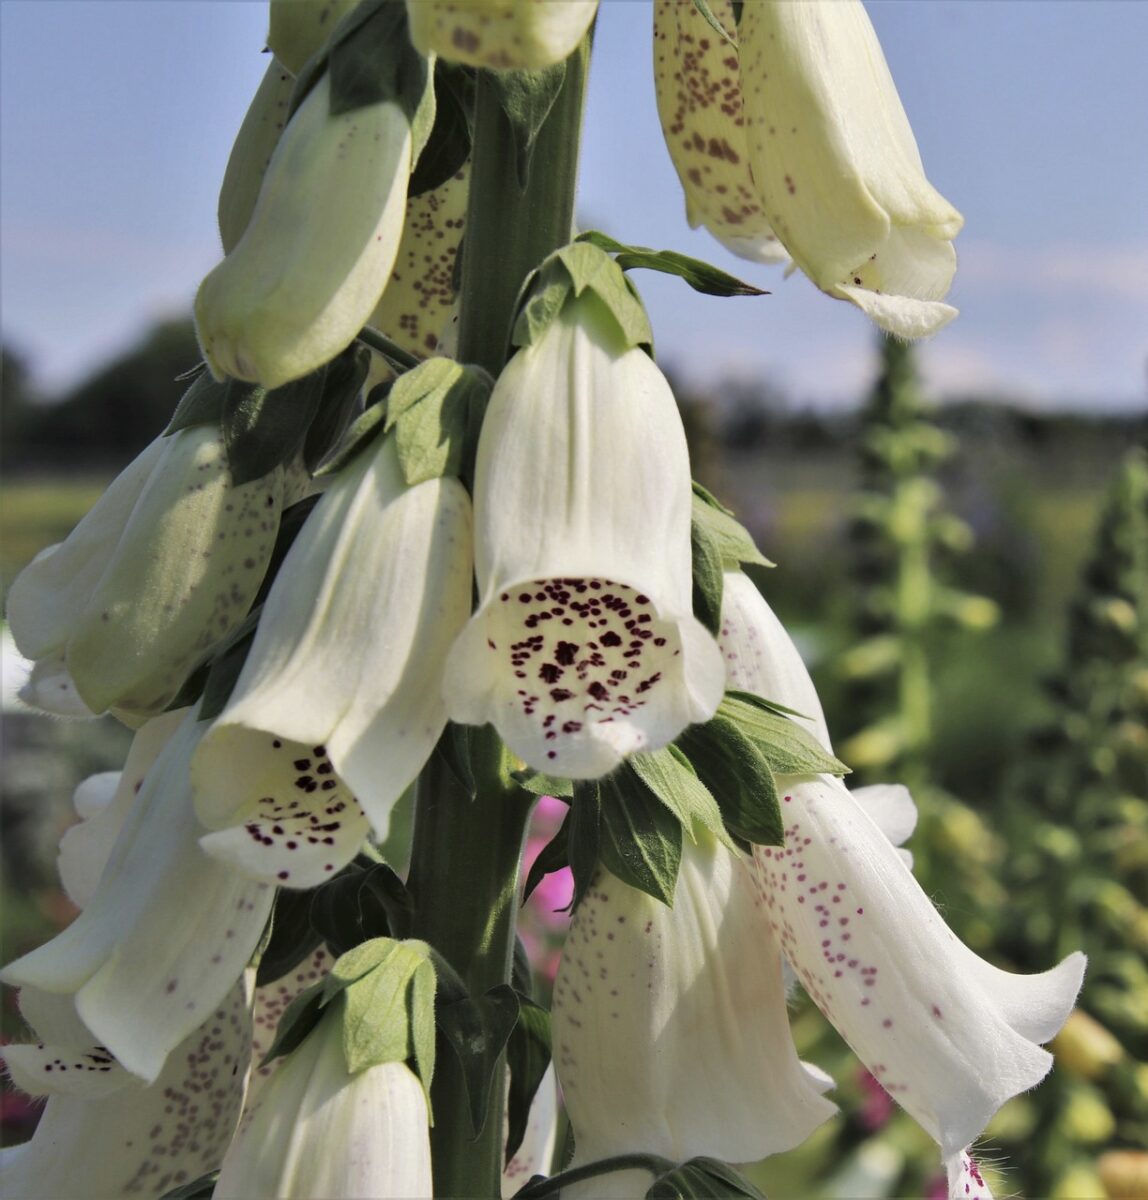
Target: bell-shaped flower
<point>340,701</point>
<point>163,567</point>
<point>104,1134</point>
<point>166,930</point>
<point>320,244</point>
<point>948,1035</point>
<point>416,306</point>
<point>700,106</point>
<point>316,1131</point>
<point>670,1029</point>
<point>584,647</point>
<point>500,34</point>
<point>836,165</point>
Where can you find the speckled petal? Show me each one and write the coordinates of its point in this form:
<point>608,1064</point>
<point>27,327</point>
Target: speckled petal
<point>166,933</point>
<point>316,1131</point>
<point>965,1179</point>
<point>140,1140</point>
<point>699,102</point>
<point>584,648</point>
<point>51,688</point>
<point>533,1157</point>
<point>500,34</point>
<point>837,166</point>
<point>761,657</point>
<point>670,1029</point>
<point>949,1037</point>
<point>339,703</point>
<point>416,306</point>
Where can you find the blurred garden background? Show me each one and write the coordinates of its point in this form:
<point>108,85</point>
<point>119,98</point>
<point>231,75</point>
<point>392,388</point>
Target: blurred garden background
<point>960,530</point>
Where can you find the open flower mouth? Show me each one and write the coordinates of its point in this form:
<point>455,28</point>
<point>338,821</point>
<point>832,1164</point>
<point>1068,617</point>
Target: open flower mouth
<point>584,655</point>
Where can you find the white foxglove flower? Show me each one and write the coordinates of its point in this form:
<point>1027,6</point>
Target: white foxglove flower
<point>584,647</point>
<point>836,166</point>
<point>500,34</point>
<point>340,701</point>
<point>416,306</point>
<point>104,1134</point>
<point>947,1034</point>
<point>670,1029</point>
<point>318,248</point>
<point>167,930</point>
<point>316,1131</point>
<point>700,106</point>
<point>163,567</point>
<point>535,1154</point>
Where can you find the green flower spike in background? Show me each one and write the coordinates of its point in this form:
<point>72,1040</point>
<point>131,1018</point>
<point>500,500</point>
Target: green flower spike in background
<point>421,545</point>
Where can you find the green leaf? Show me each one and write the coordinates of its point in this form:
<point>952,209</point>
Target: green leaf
<point>538,784</point>
<point>198,1189</point>
<point>353,964</point>
<point>381,1002</point>
<point>454,750</point>
<point>554,856</point>
<point>477,1030</point>
<point>640,840</point>
<point>297,1021</point>
<point>264,429</point>
<point>371,59</point>
<point>448,146</point>
<point>738,775</point>
<point>708,576</point>
<point>668,775</point>
<point>590,268</point>
<point>201,404</point>
<point>540,301</point>
<point>583,836</point>
<point>347,912</point>
<point>521,972</point>
<point>345,378</point>
<point>702,1179</point>
<point>363,430</point>
<point>526,98</point>
<point>382,887</point>
<point>225,668</point>
<point>292,938</point>
<point>429,409</point>
<point>700,275</point>
<point>732,540</point>
<point>708,14</point>
<point>527,1056</point>
<point>789,749</point>
<point>421,1015</point>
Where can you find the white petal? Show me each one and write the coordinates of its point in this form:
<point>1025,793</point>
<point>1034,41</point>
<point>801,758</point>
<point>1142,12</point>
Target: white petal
<point>104,801</point>
<point>534,1156</point>
<point>947,1037</point>
<point>965,1179</point>
<point>699,103</point>
<point>669,1025</point>
<point>83,1070</point>
<point>141,1140</point>
<point>318,1132</point>
<point>167,932</point>
<point>902,316</point>
<point>891,808</point>
<point>584,648</point>
<point>346,668</point>
<point>51,688</point>
<point>761,657</point>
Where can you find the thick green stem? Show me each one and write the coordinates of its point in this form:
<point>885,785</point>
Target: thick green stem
<point>466,854</point>
<point>509,231</point>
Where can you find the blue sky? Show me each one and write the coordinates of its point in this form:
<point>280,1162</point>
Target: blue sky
<point>116,118</point>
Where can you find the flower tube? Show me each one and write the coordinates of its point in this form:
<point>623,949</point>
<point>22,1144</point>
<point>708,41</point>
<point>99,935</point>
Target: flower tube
<point>167,930</point>
<point>317,1131</point>
<point>340,702</point>
<point>837,167</point>
<point>500,34</point>
<point>584,647</point>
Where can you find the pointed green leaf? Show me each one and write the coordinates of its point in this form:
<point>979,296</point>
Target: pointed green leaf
<point>421,1014</point>
<point>667,773</point>
<point>543,294</point>
<point>786,746</point>
<point>737,774</point>
<point>355,963</point>
<point>292,937</point>
<point>708,14</point>
<point>477,1030</point>
<point>709,583</point>
<point>297,1021</point>
<point>733,541</point>
<point>362,431</point>
<point>345,378</point>
<point>264,429</point>
<point>201,404</point>
<point>448,146</point>
<point>527,1056</point>
<point>554,856</point>
<point>592,269</point>
<point>538,784</point>
<point>700,275</point>
<point>526,98</point>
<point>225,668</point>
<point>380,1002</point>
<point>640,839</point>
<point>583,838</point>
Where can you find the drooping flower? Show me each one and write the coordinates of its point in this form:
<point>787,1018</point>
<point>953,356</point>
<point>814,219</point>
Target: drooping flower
<point>320,244</point>
<point>700,106</point>
<point>317,1131</point>
<point>167,931</point>
<point>836,165</point>
<point>584,647</point>
<point>163,567</point>
<point>670,1029</point>
<point>500,34</point>
<point>340,701</point>
<point>104,1133</point>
